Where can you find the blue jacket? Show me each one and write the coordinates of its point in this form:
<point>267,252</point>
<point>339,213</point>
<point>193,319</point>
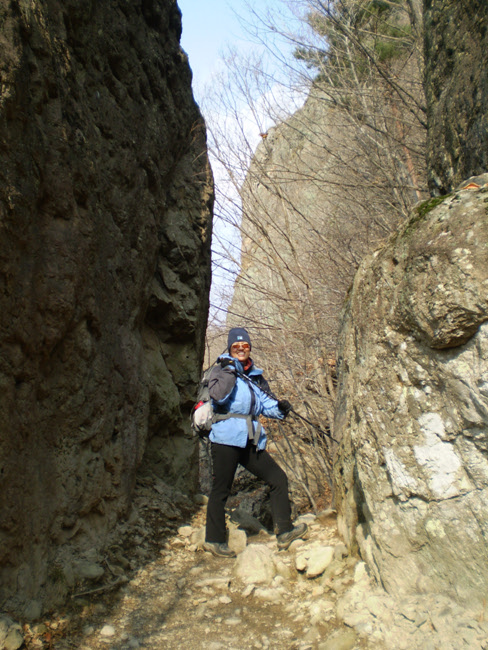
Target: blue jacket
<point>232,394</point>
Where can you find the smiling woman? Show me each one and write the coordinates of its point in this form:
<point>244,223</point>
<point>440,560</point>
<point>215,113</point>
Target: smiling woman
<point>240,395</point>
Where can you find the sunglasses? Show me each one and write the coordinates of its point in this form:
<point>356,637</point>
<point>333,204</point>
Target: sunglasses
<point>240,346</point>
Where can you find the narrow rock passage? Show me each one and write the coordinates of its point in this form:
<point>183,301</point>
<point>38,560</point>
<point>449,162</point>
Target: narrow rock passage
<point>173,595</point>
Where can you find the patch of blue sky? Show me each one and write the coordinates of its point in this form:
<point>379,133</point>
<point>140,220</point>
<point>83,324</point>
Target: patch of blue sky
<point>214,32</point>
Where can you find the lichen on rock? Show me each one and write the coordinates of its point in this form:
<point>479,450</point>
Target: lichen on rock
<point>411,470</point>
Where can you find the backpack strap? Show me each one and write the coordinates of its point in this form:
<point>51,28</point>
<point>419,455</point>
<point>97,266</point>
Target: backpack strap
<point>253,434</point>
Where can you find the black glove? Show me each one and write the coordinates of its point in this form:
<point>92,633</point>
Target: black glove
<point>225,363</point>
<point>284,406</point>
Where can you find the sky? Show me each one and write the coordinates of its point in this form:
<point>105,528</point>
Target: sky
<point>210,27</point>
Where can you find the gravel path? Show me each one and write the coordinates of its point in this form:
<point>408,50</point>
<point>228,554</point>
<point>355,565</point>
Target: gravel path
<point>169,594</point>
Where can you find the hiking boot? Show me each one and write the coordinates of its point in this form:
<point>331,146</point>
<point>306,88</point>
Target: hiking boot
<point>220,549</point>
<point>285,539</point>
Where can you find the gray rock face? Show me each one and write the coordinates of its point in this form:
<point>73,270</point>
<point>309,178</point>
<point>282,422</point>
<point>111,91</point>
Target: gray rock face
<point>456,85</point>
<point>105,202</point>
<point>307,220</point>
<point>412,467</point>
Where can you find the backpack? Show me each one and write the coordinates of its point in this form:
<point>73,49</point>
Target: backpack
<point>202,413</point>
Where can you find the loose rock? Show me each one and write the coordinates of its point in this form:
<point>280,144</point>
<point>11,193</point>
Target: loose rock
<point>182,599</point>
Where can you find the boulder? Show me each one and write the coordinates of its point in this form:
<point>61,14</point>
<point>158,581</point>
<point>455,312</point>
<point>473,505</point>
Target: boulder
<point>237,539</point>
<point>314,560</point>
<point>255,565</point>
<point>105,213</point>
<point>412,469</point>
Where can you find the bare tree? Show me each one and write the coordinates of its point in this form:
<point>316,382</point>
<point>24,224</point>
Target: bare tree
<point>325,187</point>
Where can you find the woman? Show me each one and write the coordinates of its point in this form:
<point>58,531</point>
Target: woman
<point>238,437</point>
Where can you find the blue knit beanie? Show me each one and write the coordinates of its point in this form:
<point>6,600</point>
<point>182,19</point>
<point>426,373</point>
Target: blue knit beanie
<point>238,335</point>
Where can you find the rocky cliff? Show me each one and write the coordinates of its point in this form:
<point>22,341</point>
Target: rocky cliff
<point>412,413</point>
<point>287,221</point>
<point>412,467</point>
<point>105,203</point>
<point>456,85</point>
<point>307,218</point>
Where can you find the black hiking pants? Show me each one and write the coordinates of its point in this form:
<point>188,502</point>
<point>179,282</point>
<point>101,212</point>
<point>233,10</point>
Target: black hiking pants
<point>225,459</point>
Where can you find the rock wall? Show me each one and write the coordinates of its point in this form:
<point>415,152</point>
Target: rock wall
<point>412,467</point>
<point>306,221</point>
<point>282,258</point>
<point>105,223</point>
<point>456,85</point>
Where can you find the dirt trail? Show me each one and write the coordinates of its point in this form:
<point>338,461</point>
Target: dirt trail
<point>173,596</point>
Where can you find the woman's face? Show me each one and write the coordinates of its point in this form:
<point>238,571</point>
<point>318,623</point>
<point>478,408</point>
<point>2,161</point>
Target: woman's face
<point>240,351</point>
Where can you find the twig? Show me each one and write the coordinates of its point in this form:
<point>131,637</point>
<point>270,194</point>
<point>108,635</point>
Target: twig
<point>99,590</point>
